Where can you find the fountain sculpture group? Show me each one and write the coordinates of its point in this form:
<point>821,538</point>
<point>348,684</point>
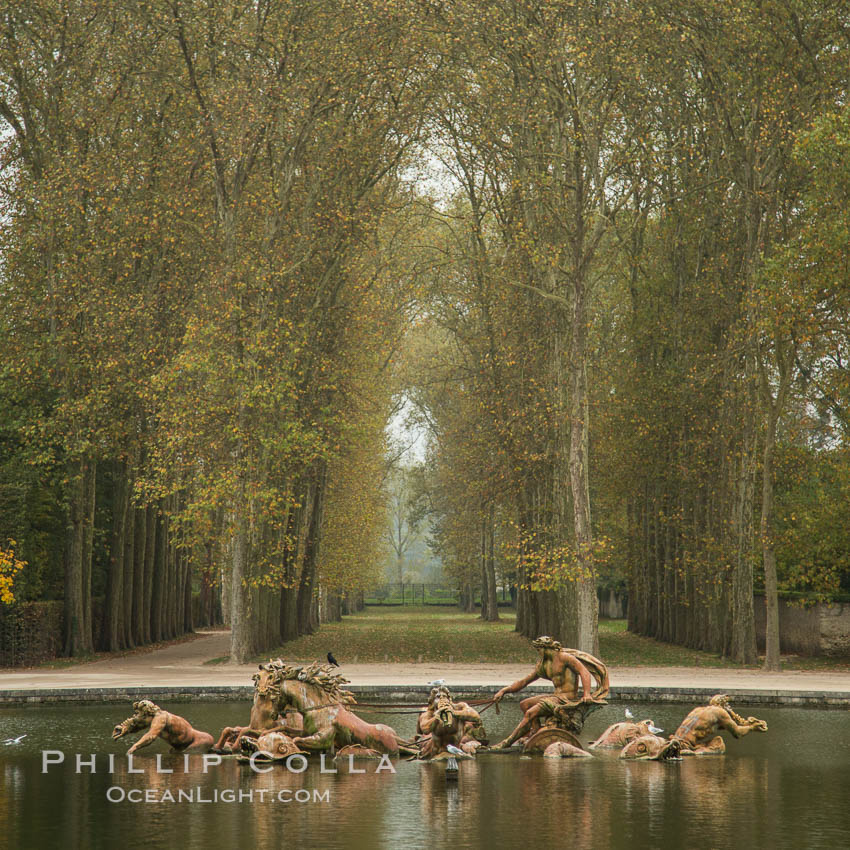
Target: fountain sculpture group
<point>303,710</point>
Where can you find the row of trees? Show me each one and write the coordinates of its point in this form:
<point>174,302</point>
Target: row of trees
<point>200,301</point>
<point>642,304</point>
<point>634,301</point>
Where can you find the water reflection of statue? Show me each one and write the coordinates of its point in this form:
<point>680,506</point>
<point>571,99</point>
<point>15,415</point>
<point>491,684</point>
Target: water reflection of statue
<point>702,806</point>
<point>564,708</point>
<point>698,731</point>
<point>446,812</point>
<point>172,728</point>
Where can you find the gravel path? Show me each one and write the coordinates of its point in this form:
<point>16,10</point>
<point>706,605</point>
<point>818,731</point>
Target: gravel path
<point>183,664</point>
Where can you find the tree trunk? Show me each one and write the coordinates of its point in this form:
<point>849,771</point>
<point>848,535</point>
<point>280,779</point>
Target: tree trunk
<point>485,595</point>
<point>150,560</point>
<point>772,658</point>
<point>288,613</point>
<point>581,617</point>
<point>78,640</point>
<point>771,585</point>
<point>467,598</point>
<point>140,536</point>
<point>241,638</point>
<point>88,549</point>
<point>113,625</point>
<point>307,621</point>
<point>492,597</point>
<point>743,632</point>
<point>188,614</point>
<point>131,574</point>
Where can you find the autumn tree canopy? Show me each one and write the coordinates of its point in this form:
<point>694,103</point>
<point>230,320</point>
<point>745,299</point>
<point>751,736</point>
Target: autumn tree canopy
<point>620,309</point>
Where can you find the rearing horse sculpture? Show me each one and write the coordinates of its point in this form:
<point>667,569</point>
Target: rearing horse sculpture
<point>264,719</point>
<point>319,695</point>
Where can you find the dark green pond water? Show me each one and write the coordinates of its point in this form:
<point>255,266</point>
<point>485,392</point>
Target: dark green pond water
<point>787,788</point>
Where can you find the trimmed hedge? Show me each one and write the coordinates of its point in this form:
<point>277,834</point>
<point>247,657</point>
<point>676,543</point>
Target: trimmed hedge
<point>30,632</point>
<point>33,632</point>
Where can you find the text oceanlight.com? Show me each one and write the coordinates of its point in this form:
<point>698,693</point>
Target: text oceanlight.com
<point>116,794</point>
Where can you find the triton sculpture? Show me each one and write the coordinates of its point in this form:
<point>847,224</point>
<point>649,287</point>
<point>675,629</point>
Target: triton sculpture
<point>446,725</point>
<point>172,728</point>
<point>696,736</point>
<point>697,733</point>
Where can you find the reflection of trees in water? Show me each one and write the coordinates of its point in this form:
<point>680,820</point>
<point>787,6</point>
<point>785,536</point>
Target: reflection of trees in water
<point>507,800</point>
<point>499,800</point>
<point>196,823</point>
<point>354,813</point>
<point>12,791</point>
<point>566,802</point>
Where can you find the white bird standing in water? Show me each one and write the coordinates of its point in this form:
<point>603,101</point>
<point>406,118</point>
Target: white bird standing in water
<point>10,741</point>
<point>629,715</point>
<point>456,751</point>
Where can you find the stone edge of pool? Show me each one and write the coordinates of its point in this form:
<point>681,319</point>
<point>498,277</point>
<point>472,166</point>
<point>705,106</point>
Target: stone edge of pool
<point>418,693</point>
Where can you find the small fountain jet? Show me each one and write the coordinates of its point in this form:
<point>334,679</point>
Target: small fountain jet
<point>629,715</point>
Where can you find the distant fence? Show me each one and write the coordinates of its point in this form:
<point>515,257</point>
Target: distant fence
<point>424,593</point>
<point>612,604</point>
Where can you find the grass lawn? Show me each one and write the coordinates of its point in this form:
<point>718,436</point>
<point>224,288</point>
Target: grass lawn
<point>411,634</point>
<point>620,648</point>
<point>426,633</point>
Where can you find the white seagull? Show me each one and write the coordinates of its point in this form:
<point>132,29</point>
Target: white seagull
<point>654,729</point>
<point>436,683</point>
<point>9,741</point>
<point>456,751</point>
<point>629,715</point>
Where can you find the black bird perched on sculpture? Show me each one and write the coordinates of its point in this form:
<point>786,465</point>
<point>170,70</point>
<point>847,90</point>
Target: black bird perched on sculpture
<point>332,661</point>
